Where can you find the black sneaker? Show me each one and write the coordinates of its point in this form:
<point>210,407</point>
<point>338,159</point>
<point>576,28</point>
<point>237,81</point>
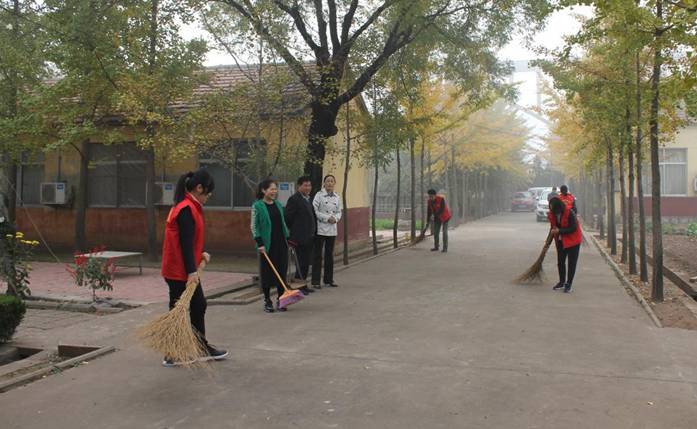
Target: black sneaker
<point>331,285</point>
<point>279,308</point>
<point>444,250</point>
<point>213,354</point>
<point>268,307</point>
<point>317,287</point>
<point>558,286</point>
<point>567,288</point>
<point>306,290</point>
<point>435,249</point>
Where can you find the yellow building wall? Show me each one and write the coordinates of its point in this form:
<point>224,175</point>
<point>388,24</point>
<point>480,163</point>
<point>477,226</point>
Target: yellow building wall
<point>358,193</point>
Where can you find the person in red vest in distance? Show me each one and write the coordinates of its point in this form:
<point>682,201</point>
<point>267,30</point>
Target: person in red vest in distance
<point>183,251</point>
<point>567,198</point>
<point>438,209</point>
<point>567,234</point>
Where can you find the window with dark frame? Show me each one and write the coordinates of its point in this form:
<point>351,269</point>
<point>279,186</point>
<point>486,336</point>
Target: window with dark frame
<point>232,189</point>
<point>30,176</point>
<point>116,175</point>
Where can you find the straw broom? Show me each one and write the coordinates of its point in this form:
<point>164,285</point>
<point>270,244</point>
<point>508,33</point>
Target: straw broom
<point>421,236</point>
<point>534,273</point>
<point>172,334</point>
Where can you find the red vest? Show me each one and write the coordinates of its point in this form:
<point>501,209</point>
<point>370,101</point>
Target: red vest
<point>567,199</point>
<point>172,258</point>
<point>436,205</point>
<point>567,240</point>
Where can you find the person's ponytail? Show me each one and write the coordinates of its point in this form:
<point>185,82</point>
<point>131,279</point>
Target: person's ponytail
<point>180,190</point>
<point>189,181</point>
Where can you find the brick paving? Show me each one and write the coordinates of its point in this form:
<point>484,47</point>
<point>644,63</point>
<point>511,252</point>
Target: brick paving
<point>53,280</point>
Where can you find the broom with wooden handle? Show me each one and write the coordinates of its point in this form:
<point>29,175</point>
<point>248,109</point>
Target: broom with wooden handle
<point>290,296</point>
<point>172,334</point>
<point>534,273</point>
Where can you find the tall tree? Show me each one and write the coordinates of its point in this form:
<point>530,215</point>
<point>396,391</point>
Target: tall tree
<point>162,69</point>
<point>341,36</point>
<point>22,66</point>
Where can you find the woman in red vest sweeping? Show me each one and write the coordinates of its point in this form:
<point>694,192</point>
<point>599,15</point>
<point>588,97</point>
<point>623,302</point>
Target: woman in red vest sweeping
<point>568,236</point>
<point>438,208</point>
<point>183,250</point>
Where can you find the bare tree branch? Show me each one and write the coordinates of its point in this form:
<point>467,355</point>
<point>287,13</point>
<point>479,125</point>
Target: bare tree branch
<point>293,63</point>
<point>294,12</point>
<point>333,25</point>
<point>322,30</point>
<point>348,20</point>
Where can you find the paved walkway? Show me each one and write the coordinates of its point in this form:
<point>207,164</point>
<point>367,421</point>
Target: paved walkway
<point>53,280</point>
<point>413,339</point>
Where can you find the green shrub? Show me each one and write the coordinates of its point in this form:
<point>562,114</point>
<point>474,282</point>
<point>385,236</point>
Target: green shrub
<point>692,230</point>
<point>12,311</point>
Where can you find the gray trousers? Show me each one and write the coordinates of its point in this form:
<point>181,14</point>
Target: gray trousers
<point>437,225</point>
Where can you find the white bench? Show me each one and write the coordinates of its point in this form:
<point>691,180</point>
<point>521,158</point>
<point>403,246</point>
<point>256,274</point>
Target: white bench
<point>108,254</point>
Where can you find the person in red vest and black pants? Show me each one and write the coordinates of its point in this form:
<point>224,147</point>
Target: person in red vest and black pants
<point>183,251</point>
<point>439,211</point>
<point>567,234</point>
<point>567,198</point>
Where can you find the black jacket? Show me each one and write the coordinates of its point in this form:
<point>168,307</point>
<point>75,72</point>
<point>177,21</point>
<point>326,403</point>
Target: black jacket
<point>300,219</point>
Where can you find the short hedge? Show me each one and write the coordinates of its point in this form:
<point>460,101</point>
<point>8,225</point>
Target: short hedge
<point>12,311</point>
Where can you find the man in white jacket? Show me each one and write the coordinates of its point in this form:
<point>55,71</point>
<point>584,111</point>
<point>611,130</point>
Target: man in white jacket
<point>328,208</point>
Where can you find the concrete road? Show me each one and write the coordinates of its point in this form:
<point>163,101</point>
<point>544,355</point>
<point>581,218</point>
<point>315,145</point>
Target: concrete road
<point>413,339</point>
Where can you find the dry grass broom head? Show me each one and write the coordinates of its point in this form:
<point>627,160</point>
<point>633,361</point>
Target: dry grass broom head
<point>534,274</point>
<point>172,334</point>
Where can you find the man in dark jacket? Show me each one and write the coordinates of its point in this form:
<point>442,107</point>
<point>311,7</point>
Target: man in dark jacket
<point>302,223</point>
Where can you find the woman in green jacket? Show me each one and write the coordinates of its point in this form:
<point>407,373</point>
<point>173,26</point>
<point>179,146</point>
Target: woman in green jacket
<point>271,234</point>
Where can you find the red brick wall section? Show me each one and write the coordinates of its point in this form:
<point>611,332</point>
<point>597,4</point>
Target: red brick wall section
<point>227,231</point>
<point>673,206</point>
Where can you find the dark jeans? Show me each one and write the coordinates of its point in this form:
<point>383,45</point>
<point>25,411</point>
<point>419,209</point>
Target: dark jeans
<point>437,225</point>
<point>572,253</point>
<point>303,255</point>
<point>328,244</point>
<point>197,308</point>
<point>279,257</point>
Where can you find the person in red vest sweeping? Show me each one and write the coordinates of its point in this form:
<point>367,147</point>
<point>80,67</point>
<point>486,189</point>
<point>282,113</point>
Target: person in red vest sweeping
<point>438,209</point>
<point>183,251</point>
<point>567,198</point>
<point>567,234</point>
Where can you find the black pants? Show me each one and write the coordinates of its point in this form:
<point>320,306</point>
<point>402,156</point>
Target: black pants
<point>303,252</point>
<point>328,244</point>
<point>437,225</point>
<point>572,253</point>
<point>197,308</point>
<point>279,257</point>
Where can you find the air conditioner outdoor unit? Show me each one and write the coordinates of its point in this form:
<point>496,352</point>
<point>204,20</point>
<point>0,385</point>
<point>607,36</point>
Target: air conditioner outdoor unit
<point>164,193</point>
<point>54,193</point>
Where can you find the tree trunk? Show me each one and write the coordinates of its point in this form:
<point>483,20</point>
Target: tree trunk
<point>374,209</point>
<point>322,127</point>
<point>643,260</point>
<point>657,232</point>
<point>347,167</point>
<point>601,209</point>
<point>631,243</point>
<point>12,191</point>
<point>81,198</point>
<point>412,154</point>
<point>422,199</point>
<point>398,195</point>
<point>623,204</point>
<point>452,176</point>
<point>150,212</point>
<point>611,225</point>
